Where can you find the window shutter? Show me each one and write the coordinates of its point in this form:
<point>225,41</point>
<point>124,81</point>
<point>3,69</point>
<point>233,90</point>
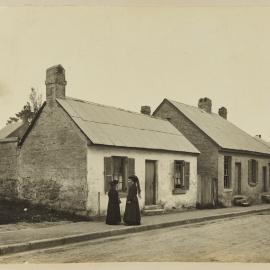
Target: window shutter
<point>174,173</point>
<point>187,173</point>
<point>131,166</point>
<point>249,170</point>
<point>257,171</point>
<point>107,173</point>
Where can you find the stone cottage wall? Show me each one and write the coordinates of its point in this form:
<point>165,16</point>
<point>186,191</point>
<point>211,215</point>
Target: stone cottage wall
<point>52,162</point>
<point>8,169</point>
<point>208,159</point>
<point>98,200</point>
<point>252,192</point>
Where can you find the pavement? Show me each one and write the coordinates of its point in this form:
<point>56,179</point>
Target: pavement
<point>26,239</point>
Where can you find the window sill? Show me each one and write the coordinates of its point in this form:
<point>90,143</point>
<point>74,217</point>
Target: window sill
<point>228,189</point>
<point>179,191</point>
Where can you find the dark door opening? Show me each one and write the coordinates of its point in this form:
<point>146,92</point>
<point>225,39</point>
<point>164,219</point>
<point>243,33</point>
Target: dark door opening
<point>150,182</point>
<point>238,178</point>
<point>264,178</point>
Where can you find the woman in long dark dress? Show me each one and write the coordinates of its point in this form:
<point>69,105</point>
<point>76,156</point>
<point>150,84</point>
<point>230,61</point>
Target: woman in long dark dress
<point>113,210</point>
<point>132,214</point>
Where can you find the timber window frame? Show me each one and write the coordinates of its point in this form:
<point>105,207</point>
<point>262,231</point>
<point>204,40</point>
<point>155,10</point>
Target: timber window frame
<point>118,168</point>
<point>181,176</point>
<point>227,172</point>
<point>253,170</point>
<point>269,175</point>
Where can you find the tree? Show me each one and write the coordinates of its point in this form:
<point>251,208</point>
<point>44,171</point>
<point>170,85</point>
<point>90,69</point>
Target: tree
<point>29,110</point>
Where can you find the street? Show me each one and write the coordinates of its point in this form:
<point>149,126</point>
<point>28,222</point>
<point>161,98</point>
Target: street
<point>240,239</point>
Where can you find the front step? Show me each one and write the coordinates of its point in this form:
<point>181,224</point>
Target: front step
<point>151,210</point>
<point>152,207</point>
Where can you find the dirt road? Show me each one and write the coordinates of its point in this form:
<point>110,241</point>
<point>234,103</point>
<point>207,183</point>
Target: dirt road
<point>241,239</point>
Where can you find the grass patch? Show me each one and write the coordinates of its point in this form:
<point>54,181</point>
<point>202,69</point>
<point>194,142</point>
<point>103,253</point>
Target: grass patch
<point>13,211</point>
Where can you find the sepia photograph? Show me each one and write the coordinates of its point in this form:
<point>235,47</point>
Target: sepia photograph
<point>134,131</point>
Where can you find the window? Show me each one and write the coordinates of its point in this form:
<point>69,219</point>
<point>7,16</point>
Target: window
<point>118,172</point>
<point>227,171</point>
<point>269,174</point>
<point>252,172</point>
<point>181,174</point>
<point>118,168</point>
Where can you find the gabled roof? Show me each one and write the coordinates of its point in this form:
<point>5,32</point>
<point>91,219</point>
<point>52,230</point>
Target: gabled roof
<point>15,129</point>
<point>225,134</point>
<point>105,125</point>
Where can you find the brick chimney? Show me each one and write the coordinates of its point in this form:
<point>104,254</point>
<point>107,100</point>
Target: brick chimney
<point>205,104</point>
<point>223,112</point>
<point>55,83</point>
<point>146,110</point>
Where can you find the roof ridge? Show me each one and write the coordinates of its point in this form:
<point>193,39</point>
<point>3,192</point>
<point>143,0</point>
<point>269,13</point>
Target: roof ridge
<point>113,107</point>
<point>195,107</point>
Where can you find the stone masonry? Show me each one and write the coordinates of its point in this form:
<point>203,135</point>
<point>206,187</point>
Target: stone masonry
<point>207,160</point>
<point>8,168</point>
<point>211,159</point>
<point>52,166</point>
<point>52,162</point>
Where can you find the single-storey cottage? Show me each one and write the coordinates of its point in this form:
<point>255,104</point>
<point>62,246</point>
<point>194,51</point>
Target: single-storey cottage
<point>73,148</point>
<point>9,137</point>
<point>231,161</point>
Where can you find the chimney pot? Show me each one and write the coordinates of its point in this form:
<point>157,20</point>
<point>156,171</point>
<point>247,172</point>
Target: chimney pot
<point>146,110</point>
<point>55,83</point>
<point>223,112</point>
<point>205,104</point>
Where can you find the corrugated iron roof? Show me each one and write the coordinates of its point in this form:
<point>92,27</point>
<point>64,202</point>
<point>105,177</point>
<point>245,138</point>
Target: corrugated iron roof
<point>262,141</point>
<point>106,125</point>
<point>220,130</point>
<point>9,129</point>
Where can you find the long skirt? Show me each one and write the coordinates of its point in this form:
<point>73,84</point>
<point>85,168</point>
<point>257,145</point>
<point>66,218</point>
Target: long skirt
<point>132,215</point>
<point>113,213</point>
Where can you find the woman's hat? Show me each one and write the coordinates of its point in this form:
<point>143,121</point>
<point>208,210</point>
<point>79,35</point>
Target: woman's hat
<point>113,182</point>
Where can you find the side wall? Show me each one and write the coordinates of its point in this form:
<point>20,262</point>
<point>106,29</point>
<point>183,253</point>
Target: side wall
<point>253,192</point>
<point>8,169</point>
<point>53,162</point>
<point>208,159</point>
<point>165,168</point>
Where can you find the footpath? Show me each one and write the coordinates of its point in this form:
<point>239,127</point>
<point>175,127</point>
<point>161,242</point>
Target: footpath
<point>27,239</point>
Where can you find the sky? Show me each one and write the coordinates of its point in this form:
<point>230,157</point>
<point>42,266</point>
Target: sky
<point>128,56</point>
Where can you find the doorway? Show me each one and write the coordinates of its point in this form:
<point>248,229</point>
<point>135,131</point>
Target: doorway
<point>150,182</point>
<point>264,178</point>
<point>238,178</point>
